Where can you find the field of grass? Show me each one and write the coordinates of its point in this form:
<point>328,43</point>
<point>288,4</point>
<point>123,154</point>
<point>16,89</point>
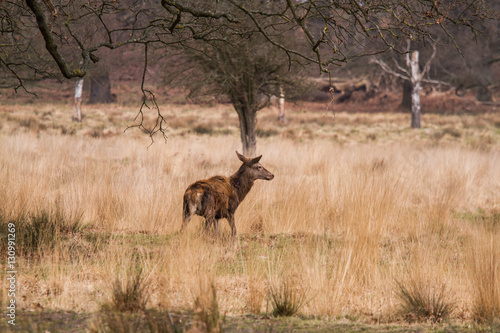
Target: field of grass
<point>367,225</point>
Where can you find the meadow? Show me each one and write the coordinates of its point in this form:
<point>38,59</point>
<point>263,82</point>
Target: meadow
<point>366,222</point>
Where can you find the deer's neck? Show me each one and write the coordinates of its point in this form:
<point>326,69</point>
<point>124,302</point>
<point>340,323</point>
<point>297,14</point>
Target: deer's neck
<point>241,183</point>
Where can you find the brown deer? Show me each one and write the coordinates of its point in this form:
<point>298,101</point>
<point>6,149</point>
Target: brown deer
<point>218,197</point>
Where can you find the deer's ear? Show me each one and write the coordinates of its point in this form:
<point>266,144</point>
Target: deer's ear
<point>241,157</point>
<point>255,160</point>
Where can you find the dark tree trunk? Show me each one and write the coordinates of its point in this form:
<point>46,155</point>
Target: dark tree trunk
<point>100,89</point>
<point>484,70</point>
<point>483,94</point>
<point>247,119</point>
<point>406,100</point>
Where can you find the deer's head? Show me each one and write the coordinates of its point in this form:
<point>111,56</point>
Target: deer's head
<point>253,169</point>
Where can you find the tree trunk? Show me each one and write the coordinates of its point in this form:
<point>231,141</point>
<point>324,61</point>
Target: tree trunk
<point>281,106</point>
<point>100,89</point>
<point>483,94</point>
<point>251,145</point>
<point>247,117</point>
<point>77,115</point>
<point>417,88</point>
<point>406,99</point>
<point>484,70</point>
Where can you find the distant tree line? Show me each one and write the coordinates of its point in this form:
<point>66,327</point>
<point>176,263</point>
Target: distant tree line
<point>240,49</point>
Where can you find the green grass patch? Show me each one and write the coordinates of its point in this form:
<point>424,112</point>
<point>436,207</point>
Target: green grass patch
<point>488,220</point>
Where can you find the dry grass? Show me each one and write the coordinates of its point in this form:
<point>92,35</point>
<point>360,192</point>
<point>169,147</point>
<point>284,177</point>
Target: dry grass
<point>286,297</point>
<point>344,220</point>
<point>206,306</point>
<point>484,266</point>
<point>129,293</point>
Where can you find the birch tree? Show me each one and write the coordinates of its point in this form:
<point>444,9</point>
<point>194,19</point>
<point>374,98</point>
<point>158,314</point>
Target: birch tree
<point>77,115</point>
<point>281,105</point>
<point>412,74</point>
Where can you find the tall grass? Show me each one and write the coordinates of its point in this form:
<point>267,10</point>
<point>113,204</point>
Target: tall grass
<point>39,232</point>
<point>206,306</point>
<point>343,220</point>
<point>484,269</point>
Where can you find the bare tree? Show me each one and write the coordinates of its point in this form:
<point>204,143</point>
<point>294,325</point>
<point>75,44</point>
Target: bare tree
<point>412,74</point>
<point>50,38</point>
<point>246,70</point>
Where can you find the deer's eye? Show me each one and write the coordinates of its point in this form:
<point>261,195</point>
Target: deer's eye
<point>259,167</point>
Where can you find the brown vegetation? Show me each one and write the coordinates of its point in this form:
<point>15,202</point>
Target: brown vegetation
<point>359,202</point>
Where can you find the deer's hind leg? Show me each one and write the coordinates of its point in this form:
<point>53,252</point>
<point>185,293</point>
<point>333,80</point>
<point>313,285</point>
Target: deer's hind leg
<point>186,217</point>
<point>232,224</point>
<point>209,222</point>
<point>188,210</point>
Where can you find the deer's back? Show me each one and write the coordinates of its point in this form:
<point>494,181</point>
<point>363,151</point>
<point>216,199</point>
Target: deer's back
<point>213,197</point>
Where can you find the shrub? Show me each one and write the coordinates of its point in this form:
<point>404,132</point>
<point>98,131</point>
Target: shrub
<point>422,302</point>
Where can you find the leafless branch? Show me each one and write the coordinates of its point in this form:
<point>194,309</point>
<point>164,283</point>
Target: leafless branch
<point>160,123</point>
<point>386,68</point>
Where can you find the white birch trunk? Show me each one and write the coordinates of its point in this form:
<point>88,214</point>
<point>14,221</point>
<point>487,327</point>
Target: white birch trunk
<point>77,116</point>
<point>416,88</point>
<point>281,106</point>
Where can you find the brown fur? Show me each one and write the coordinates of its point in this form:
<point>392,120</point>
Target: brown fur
<point>218,197</point>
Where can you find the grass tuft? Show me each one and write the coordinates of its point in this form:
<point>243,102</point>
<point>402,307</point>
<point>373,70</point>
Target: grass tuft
<point>420,302</point>
<point>131,295</point>
<point>286,298</point>
<point>39,231</point>
<point>203,129</point>
<point>207,307</point>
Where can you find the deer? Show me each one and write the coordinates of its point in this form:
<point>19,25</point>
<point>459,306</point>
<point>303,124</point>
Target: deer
<point>218,197</point>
